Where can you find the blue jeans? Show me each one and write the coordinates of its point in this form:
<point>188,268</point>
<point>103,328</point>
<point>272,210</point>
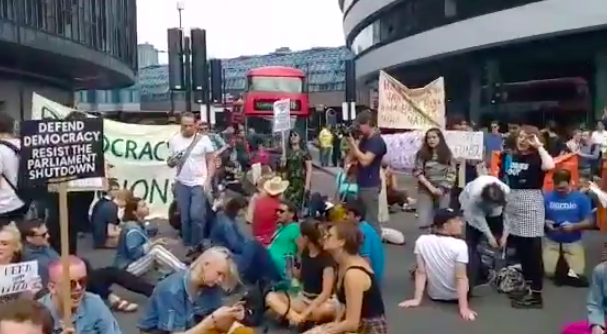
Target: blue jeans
<point>192,204</point>
<point>325,155</point>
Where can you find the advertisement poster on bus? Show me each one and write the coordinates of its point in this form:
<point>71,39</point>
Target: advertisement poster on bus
<point>410,109</point>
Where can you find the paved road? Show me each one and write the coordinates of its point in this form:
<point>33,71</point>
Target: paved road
<point>495,315</point>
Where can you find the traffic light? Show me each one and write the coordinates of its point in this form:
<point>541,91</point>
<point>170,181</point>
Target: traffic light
<point>200,70</point>
<point>175,54</point>
<point>217,79</point>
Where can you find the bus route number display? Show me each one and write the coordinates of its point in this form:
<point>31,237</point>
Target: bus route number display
<point>60,150</point>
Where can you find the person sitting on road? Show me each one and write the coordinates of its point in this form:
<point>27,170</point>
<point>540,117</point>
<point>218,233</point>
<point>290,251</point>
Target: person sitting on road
<point>105,217</point>
<point>268,175</point>
<point>136,252</point>
<point>441,264</point>
<point>285,242</point>
<point>36,247</point>
<point>191,300</point>
<point>91,315</point>
<point>11,251</point>
<point>358,291</point>
<point>345,183</point>
<point>395,195</point>
<point>568,213</point>
<point>25,316</point>
<point>253,259</point>
<point>265,219</point>
<point>482,202</point>
<point>371,248</point>
<point>317,276</point>
<point>597,300</point>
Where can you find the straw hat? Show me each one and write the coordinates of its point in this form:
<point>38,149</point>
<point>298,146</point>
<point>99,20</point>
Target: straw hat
<point>275,186</point>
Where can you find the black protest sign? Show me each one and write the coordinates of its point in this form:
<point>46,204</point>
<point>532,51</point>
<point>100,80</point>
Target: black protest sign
<point>57,150</point>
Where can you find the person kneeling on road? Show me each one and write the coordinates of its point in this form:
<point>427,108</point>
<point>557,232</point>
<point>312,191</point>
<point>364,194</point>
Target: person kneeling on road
<point>441,263</point>
<point>482,202</point>
<point>136,252</point>
<point>568,213</point>
<point>190,301</point>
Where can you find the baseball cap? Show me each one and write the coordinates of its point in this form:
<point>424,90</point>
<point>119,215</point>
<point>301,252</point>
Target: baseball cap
<point>442,216</point>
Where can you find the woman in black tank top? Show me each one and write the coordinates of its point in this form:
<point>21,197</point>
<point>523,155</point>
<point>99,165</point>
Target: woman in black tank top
<point>357,289</point>
<point>317,277</point>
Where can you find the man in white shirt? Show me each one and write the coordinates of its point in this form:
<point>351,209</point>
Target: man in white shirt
<point>11,207</point>
<point>482,202</point>
<point>599,136</point>
<point>192,156</point>
<point>441,264</point>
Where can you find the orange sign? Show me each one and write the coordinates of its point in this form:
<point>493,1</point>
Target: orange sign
<point>567,161</point>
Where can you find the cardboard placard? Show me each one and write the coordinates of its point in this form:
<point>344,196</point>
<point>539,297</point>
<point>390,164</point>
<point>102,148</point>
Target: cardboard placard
<point>60,150</point>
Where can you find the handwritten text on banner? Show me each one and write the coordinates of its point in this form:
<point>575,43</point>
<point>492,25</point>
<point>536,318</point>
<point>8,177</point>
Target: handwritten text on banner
<point>17,277</point>
<point>416,109</point>
<point>402,147</point>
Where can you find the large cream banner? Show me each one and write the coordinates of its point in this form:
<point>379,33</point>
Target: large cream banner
<point>413,109</point>
<point>402,147</point>
<point>137,153</point>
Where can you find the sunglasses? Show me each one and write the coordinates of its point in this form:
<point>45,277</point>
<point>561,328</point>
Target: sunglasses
<point>76,283</point>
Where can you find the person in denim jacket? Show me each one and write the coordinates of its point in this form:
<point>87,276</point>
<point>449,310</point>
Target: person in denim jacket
<point>90,315</point>
<point>180,301</point>
<point>136,252</point>
<point>251,257</point>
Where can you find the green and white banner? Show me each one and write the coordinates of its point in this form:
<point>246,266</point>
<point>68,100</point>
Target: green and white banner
<point>137,152</point>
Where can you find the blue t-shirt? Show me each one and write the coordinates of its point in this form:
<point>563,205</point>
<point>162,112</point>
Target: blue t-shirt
<point>573,207</point>
<point>368,176</point>
<point>373,249</point>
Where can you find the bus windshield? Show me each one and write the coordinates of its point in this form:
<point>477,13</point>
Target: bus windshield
<point>276,84</point>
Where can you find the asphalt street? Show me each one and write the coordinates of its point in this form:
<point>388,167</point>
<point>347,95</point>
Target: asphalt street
<point>494,313</point>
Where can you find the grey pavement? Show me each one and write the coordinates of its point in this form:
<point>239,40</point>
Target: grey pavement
<point>495,316</point>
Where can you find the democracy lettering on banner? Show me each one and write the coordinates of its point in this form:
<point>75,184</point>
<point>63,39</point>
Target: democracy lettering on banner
<point>137,154</point>
<point>18,277</point>
<point>415,109</point>
<point>60,150</point>
<point>402,147</point>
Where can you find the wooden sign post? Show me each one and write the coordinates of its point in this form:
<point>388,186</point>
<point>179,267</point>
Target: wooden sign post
<point>53,153</point>
<point>65,253</point>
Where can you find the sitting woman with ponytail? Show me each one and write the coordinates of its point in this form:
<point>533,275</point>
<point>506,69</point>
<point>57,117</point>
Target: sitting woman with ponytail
<point>317,276</point>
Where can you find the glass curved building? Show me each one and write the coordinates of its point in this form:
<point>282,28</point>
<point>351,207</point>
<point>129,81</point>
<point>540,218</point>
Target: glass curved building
<point>55,47</point>
<point>497,56</point>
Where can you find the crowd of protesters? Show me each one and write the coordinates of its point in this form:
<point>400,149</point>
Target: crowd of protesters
<point>311,262</point>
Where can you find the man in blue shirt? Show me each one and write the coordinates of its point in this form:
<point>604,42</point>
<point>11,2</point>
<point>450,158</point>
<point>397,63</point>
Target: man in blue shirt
<point>568,212</point>
<point>372,248</point>
<point>90,315</point>
<point>368,154</point>
<point>193,298</point>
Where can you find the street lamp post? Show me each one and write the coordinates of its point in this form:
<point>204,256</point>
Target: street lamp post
<point>187,60</point>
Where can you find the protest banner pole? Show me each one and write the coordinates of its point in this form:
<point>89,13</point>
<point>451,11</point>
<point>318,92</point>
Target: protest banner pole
<point>65,254</point>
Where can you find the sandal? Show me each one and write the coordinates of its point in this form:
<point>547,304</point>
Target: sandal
<point>124,306</point>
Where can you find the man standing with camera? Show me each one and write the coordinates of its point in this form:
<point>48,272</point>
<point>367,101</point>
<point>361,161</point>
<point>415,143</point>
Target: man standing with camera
<point>367,148</point>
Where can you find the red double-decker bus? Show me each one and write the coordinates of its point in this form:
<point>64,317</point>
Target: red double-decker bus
<point>266,85</point>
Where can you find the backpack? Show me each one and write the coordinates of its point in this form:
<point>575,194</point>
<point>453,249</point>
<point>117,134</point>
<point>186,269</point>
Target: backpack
<point>26,195</point>
<point>509,279</point>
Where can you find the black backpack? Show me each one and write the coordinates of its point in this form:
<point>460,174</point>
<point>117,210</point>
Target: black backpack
<point>26,195</point>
